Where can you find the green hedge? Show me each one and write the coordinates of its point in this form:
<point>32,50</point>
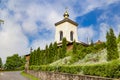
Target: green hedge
<point>64,69</point>
<point>111,69</point>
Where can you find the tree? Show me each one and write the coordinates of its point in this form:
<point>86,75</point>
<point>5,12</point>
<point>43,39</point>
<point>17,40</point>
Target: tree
<point>38,56</point>
<point>118,40</point>
<point>112,51</point>
<point>35,57</point>
<point>13,62</point>
<point>64,47</point>
<point>0,63</point>
<point>55,51</point>
<point>59,53</point>
<point>92,43</point>
<point>46,54</point>
<point>31,58</point>
<point>74,48</point>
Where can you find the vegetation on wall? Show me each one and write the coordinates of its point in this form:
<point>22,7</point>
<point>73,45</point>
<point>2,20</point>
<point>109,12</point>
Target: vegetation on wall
<point>111,69</point>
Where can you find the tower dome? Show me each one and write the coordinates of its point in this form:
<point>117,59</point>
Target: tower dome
<point>66,15</point>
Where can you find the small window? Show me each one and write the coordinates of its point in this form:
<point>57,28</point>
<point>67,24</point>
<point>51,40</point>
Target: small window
<point>71,35</point>
<point>61,35</point>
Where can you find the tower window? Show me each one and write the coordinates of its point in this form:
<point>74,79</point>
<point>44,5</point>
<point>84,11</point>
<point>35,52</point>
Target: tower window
<point>71,35</point>
<point>61,35</point>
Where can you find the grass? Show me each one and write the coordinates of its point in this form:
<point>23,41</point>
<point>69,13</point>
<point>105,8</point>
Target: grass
<point>31,77</point>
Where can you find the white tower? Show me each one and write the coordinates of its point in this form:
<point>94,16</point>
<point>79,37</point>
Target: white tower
<point>66,28</point>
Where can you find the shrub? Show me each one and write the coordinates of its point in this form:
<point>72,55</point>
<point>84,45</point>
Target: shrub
<point>111,69</point>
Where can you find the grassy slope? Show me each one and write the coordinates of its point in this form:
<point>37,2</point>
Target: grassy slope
<point>92,58</point>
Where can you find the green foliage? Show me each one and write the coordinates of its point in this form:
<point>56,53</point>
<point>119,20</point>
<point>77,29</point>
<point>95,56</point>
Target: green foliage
<point>118,39</point>
<point>64,69</point>
<point>112,51</point>
<point>46,55</point>
<point>0,63</point>
<point>75,55</point>
<point>74,48</point>
<point>13,62</point>
<point>92,43</point>
<point>82,51</point>
<point>111,69</point>
<point>31,77</point>
<point>38,56</point>
<point>49,55</point>
<point>60,52</point>
<point>98,47</point>
<point>31,58</point>
<point>52,53</point>
<point>64,47</point>
<point>56,55</point>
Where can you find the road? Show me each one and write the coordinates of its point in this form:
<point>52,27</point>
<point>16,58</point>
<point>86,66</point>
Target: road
<point>12,75</point>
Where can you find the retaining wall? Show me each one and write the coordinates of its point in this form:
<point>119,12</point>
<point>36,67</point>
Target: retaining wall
<point>63,76</point>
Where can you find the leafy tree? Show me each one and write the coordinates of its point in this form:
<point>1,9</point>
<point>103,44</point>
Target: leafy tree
<point>74,48</point>
<point>64,47</point>
<point>31,58</point>
<point>0,63</point>
<point>55,51</point>
<point>46,54</point>
<point>112,51</point>
<point>13,62</point>
<point>50,53</point>
<point>23,60</point>
<point>92,43</point>
<point>38,56</point>
<point>118,40</point>
<point>60,52</point>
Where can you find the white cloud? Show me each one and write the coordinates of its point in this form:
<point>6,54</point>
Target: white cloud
<point>41,43</point>
<point>103,30</point>
<point>12,40</point>
<point>105,27</point>
<point>30,27</point>
<point>85,33</point>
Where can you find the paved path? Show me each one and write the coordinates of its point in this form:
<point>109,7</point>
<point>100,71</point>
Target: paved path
<point>12,75</point>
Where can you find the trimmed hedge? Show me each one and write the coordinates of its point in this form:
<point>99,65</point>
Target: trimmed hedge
<point>111,69</point>
<point>64,69</point>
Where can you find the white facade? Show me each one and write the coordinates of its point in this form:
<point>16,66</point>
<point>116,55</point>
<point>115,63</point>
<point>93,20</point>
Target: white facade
<point>66,28</point>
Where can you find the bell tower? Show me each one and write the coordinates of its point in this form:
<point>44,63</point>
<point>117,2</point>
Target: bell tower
<point>66,28</point>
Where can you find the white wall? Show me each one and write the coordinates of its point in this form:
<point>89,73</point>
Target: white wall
<point>66,27</point>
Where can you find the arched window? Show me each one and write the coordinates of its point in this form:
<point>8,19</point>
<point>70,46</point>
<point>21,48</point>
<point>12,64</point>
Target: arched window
<point>71,35</point>
<point>61,35</point>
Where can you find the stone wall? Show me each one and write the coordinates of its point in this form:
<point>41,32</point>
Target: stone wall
<point>63,76</point>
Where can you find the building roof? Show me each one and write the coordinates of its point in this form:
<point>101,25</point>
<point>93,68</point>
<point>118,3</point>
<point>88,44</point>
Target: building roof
<point>99,42</point>
<point>27,55</point>
<point>68,43</point>
<point>66,20</point>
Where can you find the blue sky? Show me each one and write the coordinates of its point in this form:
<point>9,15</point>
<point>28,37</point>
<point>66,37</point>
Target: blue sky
<point>30,23</point>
